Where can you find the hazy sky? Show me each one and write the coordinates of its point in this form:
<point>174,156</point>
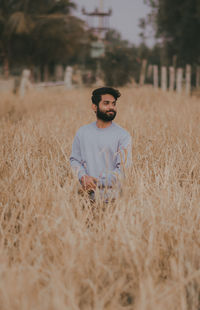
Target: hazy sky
<point>125,16</point>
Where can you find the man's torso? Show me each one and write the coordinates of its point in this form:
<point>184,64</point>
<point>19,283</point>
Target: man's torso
<point>99,147</point>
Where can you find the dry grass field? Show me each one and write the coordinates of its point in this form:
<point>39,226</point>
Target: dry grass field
<point>140,253</point>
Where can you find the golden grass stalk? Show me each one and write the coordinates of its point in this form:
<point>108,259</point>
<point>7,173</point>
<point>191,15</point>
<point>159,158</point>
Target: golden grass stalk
<point>59,252</point>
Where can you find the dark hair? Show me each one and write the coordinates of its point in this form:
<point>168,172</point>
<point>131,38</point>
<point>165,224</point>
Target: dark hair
<point>96,95</point>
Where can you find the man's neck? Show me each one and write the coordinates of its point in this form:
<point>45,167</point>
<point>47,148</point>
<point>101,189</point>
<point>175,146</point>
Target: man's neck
<point>102,124</point>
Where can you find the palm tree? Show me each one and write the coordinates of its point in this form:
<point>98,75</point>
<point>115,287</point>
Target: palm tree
<point>57,35</point>
<point>13,21</point>
<point>47,26</point>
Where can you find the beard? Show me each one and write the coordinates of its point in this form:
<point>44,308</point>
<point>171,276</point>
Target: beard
<point>105,116</point>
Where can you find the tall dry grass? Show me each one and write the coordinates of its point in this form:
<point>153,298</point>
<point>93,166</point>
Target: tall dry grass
<point>142,252</point>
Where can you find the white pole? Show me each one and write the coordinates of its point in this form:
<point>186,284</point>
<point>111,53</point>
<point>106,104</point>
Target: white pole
<point>25,82</point>
<point>68,77</point>
<point>164,78</point>
<point>179,80</point>
<point>155,76</point>
<point>101,7</point>
<point>188,79</point>
<point>171,78</point>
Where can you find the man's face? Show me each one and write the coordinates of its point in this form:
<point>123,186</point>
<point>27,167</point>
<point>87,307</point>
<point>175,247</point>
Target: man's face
<point>106,110</point>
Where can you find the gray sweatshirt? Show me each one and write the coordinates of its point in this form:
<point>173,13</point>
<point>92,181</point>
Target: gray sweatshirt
<point>101,153</point>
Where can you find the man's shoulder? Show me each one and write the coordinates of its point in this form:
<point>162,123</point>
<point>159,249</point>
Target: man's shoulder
<point>120,130</point>
<point>85,128</point>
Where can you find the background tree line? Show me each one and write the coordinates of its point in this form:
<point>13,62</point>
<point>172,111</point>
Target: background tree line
<point>177,26</point>
<point>39,32</point>
<point>45,33</point>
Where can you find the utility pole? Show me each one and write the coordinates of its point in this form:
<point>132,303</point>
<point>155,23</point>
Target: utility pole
<point>98,21</point>
<point>102,16</point>
<point>101,9</point>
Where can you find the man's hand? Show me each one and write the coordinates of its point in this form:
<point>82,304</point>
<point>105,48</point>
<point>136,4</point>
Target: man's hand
<point>88,182</point>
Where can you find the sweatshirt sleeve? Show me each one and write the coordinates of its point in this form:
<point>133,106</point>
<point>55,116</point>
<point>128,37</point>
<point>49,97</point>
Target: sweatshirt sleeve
<point>76,161</point>
<point>123,160</point>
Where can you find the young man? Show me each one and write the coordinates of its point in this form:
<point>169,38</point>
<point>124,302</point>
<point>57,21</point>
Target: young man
<point>101,150</point>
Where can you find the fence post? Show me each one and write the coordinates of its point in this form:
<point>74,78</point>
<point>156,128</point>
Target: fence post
<point>171,78</point>
<point>164,78</point>
<point>179,80</point>
<point>155,76</point>
<point>188,79</point>
<point>68,77</point>
<point>197,76</point>
<point>79,78</point>
<point>25,82</point>
<point>143,72</point>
